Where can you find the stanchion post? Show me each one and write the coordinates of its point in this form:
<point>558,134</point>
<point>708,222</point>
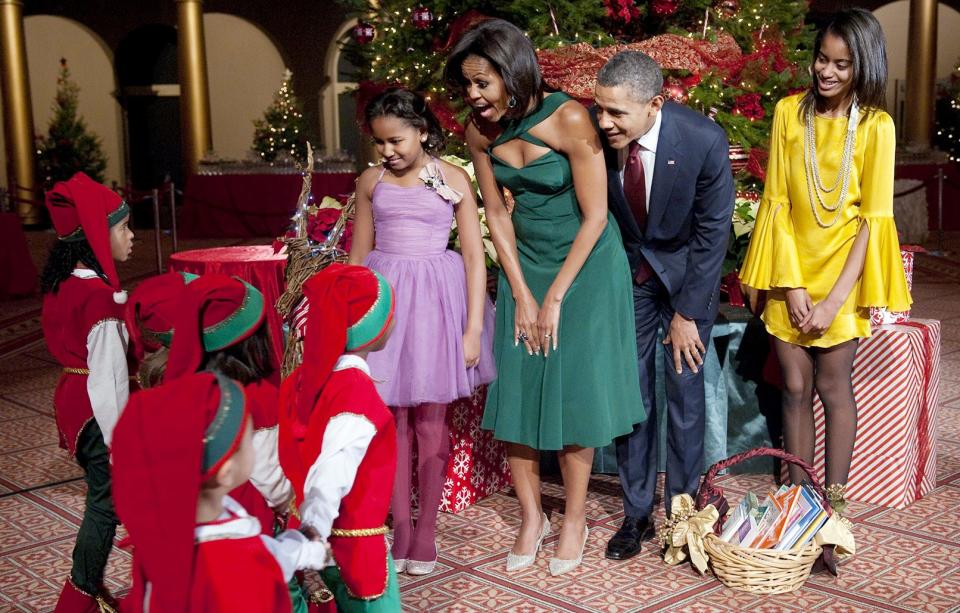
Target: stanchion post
<point>173,214</point>
<point>156,229</point>
<point>940,179</point>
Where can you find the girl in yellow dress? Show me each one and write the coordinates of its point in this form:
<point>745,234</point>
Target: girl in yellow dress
<point>825,244</point>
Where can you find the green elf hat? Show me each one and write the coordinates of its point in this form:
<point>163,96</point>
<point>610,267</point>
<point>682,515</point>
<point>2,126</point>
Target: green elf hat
<point>152,308</point>
<point>215,312</point>
<point>348,309</point>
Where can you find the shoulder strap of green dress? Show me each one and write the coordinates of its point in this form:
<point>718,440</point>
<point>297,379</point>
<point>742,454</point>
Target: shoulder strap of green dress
<point>518,127</point>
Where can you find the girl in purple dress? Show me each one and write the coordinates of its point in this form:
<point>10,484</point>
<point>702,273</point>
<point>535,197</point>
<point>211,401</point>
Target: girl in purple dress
<point>441,348</point>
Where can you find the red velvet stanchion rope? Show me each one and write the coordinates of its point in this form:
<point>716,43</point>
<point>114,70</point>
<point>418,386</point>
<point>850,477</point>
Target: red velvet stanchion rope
<point>711,494</point>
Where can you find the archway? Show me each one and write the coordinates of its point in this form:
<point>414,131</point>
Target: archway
<point>337,104</point>
<point>150,96</point>
<point>244,69</point>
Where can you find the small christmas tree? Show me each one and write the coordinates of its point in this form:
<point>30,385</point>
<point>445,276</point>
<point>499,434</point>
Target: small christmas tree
<point>69,147</point>
<point>282,128</point>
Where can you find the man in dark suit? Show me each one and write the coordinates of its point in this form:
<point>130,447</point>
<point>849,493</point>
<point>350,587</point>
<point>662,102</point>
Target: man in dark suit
<point>671,191</point>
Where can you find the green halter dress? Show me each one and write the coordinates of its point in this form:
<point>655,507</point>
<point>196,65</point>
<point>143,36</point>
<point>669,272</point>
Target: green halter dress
<point>587,392</point>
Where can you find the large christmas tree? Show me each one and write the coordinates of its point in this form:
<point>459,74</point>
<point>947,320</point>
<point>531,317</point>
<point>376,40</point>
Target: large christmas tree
<point>730,59</point>
<point>282,130</point>
<point>69,147</point>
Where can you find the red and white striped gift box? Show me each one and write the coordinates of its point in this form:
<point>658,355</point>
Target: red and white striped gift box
<point>880,315</point>
<point>478,465</point>
<point>896,379</point>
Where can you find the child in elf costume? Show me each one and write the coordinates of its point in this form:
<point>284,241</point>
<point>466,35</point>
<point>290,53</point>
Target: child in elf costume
<point>83,326</point>
<point>150,312</point>
<point>179,449</point>
<point>338,440</point>
<point>218,323</point>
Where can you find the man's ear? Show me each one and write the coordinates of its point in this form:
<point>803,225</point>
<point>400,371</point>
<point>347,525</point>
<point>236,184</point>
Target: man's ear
<point>656,103</point>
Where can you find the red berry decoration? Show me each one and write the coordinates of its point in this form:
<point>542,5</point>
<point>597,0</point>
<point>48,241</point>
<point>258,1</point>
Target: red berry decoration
<point>422,17</point>
<point>664,8</point>
<point>363,32</point>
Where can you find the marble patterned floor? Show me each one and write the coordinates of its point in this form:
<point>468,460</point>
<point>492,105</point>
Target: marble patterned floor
<point>909,560</point>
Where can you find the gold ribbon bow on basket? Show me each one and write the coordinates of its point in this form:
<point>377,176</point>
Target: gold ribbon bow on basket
<point>687,527</point>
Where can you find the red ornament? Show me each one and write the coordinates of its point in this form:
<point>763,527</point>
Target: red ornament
<point>664,8</point>
<point>363,32</point>
<point>726,9</point>
<point>624,10</point>
<point>675,91</point>
<point>422,17</point>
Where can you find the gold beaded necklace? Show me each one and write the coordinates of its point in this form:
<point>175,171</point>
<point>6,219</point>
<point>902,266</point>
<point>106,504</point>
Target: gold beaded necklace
<point>815,187</point>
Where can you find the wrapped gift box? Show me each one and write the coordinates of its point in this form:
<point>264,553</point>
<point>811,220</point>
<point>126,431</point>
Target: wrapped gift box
<point>880,315</point>
<point>478,464</point>
<point>896,378</point>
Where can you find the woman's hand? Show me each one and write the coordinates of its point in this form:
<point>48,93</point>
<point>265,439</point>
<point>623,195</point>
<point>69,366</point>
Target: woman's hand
<point>471,349</point>
<point>548,320</point>
<point>799,305</point>
<point>525,326</point>
<point>819,318</point>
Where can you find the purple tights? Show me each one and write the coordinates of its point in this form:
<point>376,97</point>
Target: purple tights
<point>428,423</point>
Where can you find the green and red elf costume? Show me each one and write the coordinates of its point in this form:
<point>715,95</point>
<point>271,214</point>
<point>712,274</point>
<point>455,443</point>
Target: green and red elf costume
<point>212,313</point>
<point>83,326</point>
<point>171,440</point>
<point>337,437</point>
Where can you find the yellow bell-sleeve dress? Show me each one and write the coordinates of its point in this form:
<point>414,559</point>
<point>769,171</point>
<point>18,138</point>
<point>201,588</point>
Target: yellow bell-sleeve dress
<point>790,249</point>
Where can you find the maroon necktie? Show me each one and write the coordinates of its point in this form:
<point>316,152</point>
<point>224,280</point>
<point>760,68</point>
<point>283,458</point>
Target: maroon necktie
<point>635,186</point>
<point>635,190</point>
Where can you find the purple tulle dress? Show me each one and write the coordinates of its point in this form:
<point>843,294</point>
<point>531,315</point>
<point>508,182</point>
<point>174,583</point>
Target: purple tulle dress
<point>423,360</point>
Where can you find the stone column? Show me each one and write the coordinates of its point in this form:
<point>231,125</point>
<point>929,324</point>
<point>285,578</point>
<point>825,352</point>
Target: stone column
<point>194,93</point>
<point>921,73</point>
<point>17,110</point>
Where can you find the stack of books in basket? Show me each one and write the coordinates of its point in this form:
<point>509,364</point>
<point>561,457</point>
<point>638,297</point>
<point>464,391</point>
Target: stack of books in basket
<point>787,518</point>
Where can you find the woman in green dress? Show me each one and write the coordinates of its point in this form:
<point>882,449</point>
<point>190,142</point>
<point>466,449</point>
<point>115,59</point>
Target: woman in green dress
<point>564,342</point>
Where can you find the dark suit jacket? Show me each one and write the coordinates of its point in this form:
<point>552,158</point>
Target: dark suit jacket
<point>689,213</point>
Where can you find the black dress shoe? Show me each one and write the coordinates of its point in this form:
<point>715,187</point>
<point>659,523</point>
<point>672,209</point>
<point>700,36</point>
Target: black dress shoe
<point>626,542</point>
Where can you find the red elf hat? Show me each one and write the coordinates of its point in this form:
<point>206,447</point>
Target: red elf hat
<point>152,308</point>
<point>168,441</point>
<point>348,309</point>
<point>82,209</point>
<point>215,312</point>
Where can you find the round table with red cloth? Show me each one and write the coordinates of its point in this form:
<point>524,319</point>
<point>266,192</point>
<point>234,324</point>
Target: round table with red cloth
<point>258,265</point>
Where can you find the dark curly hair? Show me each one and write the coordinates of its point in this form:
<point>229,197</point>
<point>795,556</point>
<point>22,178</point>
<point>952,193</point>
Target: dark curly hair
<point>411,107</point>
<point>63,259</point>
<point>248,361</point>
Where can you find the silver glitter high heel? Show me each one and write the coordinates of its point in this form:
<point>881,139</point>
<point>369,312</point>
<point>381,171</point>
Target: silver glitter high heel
<point>558,566</point>
<point>520,561</point>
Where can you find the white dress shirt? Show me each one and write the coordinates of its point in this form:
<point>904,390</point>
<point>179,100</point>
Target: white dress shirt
<point>648,154</point>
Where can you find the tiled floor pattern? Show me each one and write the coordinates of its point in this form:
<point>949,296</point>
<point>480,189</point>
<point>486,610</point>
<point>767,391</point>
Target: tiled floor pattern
<point>909,560</point>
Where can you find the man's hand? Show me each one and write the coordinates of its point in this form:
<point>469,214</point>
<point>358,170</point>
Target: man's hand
<point>685,338</point>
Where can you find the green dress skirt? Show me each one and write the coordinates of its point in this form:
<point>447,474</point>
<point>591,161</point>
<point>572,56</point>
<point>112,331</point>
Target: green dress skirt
<point>588,391</point>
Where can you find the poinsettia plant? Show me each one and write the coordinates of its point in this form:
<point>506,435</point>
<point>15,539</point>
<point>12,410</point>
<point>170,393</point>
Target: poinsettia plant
<point>744,218</point>
<point>490,252</point>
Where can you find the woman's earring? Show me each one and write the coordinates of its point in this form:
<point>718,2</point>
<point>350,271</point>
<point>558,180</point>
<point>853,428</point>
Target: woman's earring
<point>512,102</point>
<point>423,138</point>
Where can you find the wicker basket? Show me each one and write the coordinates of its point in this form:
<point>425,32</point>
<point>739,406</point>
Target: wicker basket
<point>758,571</point>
